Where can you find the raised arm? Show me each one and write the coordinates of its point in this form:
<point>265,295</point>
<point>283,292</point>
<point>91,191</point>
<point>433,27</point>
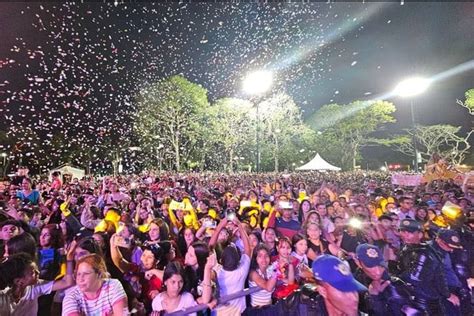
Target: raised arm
<point>68,279</point>
<point>215,235</point>
<point>117,258</point>
<point>268,285</point>
<point>207,279</point>
<point>244,237</point>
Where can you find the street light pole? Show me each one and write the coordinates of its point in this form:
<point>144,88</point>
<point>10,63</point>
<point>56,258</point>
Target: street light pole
<point>257,83</point>
<point>410,88</point>
<point>413,135</point>
<point>258,138</point>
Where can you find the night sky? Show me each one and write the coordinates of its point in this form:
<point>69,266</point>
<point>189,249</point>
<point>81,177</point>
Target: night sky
<point>73,69</point>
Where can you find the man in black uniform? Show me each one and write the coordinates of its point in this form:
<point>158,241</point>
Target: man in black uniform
<point>386,295</point>
<point>445,243</point>
<point>422,268</point>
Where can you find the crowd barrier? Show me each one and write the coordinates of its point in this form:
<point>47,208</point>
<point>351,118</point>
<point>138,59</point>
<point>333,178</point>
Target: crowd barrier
<point>221,300</point>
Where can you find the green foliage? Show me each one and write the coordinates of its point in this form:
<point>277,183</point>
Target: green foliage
<point>232,133</point>
<point>169,119</point>
<point>469,103</point>
<point>443,139</point>
<point>285,137</point>
<point>470,98</point>
<point>175,126</point>
<point>344,129</point>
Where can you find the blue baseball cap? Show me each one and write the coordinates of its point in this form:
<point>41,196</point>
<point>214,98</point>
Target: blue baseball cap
<point>370,255</point>
<point>336,273</point>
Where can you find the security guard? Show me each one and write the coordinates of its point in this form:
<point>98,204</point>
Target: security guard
<point>422,268</point>
<point>386,295</point>
<point>463,262</point>
<point>337,285</point>
<point>446,242</point>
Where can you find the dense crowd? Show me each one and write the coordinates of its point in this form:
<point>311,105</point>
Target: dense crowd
<point>313,243</point>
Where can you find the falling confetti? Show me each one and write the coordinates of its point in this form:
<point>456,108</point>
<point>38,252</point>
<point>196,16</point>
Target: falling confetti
<point>76,80</point>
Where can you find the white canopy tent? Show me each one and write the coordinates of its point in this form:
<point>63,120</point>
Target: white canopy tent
<point>68,171</point>
<point>318,163</point>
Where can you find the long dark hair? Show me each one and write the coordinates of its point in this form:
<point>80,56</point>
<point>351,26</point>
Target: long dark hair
<point>230,258</point>
<point>89,244</point>
<point>173,268</point>
<point>253,262</point>
<point>23,243</point>
<point>182,246</point>
<point>57,239</point>
<point>301,216</point>
<point>164,229</point>
<point>193,277</point>
<point>13,267</point>
<point>296,238</point>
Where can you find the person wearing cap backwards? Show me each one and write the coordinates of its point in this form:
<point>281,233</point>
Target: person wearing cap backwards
<point>422,268</point>
<point>386,294</point>
<point>337,285</point>
<point>446,242</point>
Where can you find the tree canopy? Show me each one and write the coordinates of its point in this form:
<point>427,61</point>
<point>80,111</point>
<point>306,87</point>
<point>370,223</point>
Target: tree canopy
<point>469,102</point>
<point>443,139</point>
<point>344,129</point>
<point>169,117</point>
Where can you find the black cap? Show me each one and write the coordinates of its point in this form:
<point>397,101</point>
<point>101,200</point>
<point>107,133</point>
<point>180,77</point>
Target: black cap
<point>410,225</point>
<point>450,237</point>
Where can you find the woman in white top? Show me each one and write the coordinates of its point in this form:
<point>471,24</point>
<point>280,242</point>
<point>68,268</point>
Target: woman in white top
<point>173,298</point>
<point>262,275</point>
<point>232,271</point>
<point>20,286</point>
<point>94,294</point>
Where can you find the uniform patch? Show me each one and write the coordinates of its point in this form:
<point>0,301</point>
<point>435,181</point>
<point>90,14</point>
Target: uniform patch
<point>372,253</point>
<point>343,268</point>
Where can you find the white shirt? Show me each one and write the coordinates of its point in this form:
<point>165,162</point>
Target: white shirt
<point>402,215</point>
<point>263,297</point>
<point>186,301</point>
<point>110,293</point>
<point>28,304</point>
<point>328,225</point>
<point>230,282</point>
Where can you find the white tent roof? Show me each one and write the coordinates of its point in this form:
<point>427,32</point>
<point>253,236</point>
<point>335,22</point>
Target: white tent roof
<point>68,169</point>
<point>318,163</point>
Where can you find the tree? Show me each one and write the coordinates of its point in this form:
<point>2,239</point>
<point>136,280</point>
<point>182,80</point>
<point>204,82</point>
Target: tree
<point>347,128</point>
<point>22,146</point>
<point>170,115</point>
<point>442,139</point>
<point>232,129</point>
<point>285,137</point>
<point>469,103</point>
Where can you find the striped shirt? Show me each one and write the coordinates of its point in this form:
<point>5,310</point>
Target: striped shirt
<point>263,297</point>
<point>110,293</point>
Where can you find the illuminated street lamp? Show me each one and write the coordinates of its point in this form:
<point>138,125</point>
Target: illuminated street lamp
<point>412,87</point>
<point>256,84</point>
<point>409,88</point>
